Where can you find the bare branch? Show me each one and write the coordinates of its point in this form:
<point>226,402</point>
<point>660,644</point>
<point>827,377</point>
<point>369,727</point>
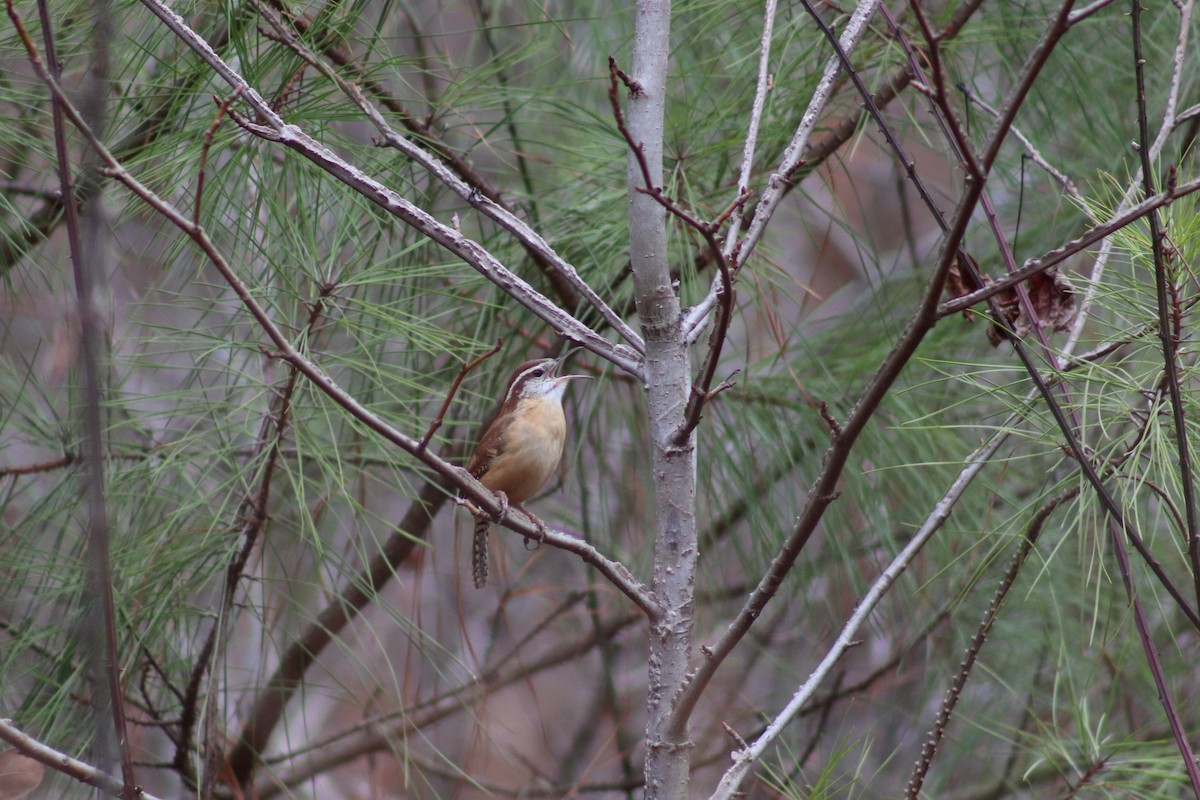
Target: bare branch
<point>744,759</point>
<point>1121,219</point>
<point>67,765</point>
<point>1172,380</point>
<point>1032,532</point>
<point>498,213</point>
<point>292,136</point>
<point>792,158</point>
<point>471,488</point>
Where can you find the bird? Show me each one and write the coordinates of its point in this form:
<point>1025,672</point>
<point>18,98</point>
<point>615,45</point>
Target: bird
<point>521,449</point>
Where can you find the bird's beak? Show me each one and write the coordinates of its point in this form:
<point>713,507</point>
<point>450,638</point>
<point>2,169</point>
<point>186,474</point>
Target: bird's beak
<point>558,363</point>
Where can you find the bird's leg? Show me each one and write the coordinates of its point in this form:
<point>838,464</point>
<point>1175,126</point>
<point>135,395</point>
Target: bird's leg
<point>541,531</point>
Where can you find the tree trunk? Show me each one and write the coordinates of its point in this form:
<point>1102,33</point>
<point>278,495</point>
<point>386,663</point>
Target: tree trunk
<point>668,384</point>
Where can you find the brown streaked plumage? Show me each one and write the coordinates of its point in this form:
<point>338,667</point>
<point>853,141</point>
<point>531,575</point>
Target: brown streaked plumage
<point>521,449</point>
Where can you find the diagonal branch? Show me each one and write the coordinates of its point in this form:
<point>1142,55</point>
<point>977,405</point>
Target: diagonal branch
<point>1166,325</point>
<point>471,489</point>
<point>1033,65</point>
<point>377,734</point>
<point>746,757</point>
<point>275,129</point>
<point>67,765</point>
<point>1123,217</point>
<point>824,489</point>
<point>1032,532</point>
<point>792,159</point>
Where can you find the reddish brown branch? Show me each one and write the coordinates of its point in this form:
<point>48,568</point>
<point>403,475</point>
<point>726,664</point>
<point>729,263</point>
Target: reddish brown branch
<point>222,109</point>
<point>1032,532</point>
<point>462,373</point>
<point>1172,380</point>
<point>98,625</point>
<point>824,489</point>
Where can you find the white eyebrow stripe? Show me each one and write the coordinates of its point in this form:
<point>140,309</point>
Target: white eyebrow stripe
<point>520,377</point>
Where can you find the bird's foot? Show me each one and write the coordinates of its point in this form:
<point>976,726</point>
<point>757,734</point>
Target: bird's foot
<point>498,519</point>
<point>534,542</point>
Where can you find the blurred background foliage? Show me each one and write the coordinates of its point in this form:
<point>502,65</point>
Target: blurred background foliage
<point>535,686</point>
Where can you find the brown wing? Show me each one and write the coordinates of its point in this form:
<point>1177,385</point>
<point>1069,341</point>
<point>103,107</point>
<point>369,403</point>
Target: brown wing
<point>489,446</point>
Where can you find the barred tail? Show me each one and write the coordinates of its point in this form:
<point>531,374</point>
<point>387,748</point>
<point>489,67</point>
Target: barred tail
<point>479,552</point>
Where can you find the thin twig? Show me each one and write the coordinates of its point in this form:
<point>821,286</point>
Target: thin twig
<point>88,262</point>
<point>1079,15</point>
<point>40,466</point>
<point>1174,391</point>
<point>222,109</point>
<point>1067,184</point>
<point>940,94</point>
<point>462,373</point>
<point>1122,218</point>
<point>780,181</point>
<point>1032,532</point>
<point>701,388</point>
<point>761,87</point>
<point>1163,287</point>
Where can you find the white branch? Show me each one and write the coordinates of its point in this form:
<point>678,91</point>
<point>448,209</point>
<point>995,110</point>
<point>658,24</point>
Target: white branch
<point>734,225</point>
<point>792,155</point>
<point>494,211</point>
<point>756,111</point>
<point>73,767</point>
<point>447,236</point>
<point>747,757</point>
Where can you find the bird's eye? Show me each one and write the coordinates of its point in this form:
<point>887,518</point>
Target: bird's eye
<point>537,373</point>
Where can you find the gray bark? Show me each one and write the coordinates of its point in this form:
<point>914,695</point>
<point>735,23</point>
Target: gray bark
<point>667,387</point>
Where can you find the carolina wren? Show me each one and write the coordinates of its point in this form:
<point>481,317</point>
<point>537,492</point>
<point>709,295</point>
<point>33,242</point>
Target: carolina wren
<point>521,449</point>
